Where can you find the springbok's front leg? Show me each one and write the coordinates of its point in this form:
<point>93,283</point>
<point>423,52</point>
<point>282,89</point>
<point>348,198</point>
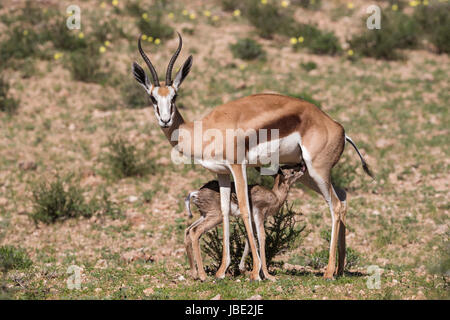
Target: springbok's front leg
<point>225,198</point>
<point>240,181</point>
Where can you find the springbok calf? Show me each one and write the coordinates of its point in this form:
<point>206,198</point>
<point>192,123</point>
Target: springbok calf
<point>301,131</point>
<point>264,203</point>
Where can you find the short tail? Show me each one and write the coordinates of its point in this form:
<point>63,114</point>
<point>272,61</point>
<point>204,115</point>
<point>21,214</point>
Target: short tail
<point>364,163</point>
<point>187,202</point>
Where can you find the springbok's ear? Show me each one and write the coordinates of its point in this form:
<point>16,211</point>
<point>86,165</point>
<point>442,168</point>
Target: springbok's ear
<point>141,76</point>
<point>183,72</point>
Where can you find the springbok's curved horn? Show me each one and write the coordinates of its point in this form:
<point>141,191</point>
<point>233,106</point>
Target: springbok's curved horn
<point>172,61</point>
<point>149,63</point>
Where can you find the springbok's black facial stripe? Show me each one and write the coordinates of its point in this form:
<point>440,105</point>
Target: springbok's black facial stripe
<point>153,100</point>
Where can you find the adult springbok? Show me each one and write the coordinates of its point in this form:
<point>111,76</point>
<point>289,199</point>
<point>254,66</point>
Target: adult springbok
<point>298,129</point>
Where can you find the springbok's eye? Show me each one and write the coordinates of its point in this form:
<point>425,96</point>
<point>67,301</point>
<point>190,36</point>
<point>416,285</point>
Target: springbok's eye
<point>153,100</point>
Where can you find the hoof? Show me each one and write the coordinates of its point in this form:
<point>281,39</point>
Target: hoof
<point>220,275</point>
<point>328,277</point>
<point>254,277</point>
<point>270,278</point>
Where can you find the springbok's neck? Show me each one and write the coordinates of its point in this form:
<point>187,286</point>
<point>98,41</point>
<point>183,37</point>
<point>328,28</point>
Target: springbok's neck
<point>281,190</point>
<point>177,122</point>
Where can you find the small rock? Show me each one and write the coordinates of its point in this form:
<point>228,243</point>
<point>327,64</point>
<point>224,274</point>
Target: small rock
<point>101,264</point>
<point>148,291</point>
<point>27,165</point>
<point>134,255</point>
<point>132,199</point>
<point>255,297</point>
<point>181,278</point>
<point>217,297</point>
<point>97,290</point>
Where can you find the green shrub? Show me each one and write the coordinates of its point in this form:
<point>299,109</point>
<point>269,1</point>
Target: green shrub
<point>316,40</point>
<point>281,235</point>
<point>398,31</point>
<point>325,43</point>
<point>20,44</point>
<point>230,5</point>
<point>63,38</point>
<point>155,28</point>
<point>84,64</point>
<point>13,258</point>
<point>308,66</point>
<point>108,29</point>
<point>268,19</point>
<point>308,4</point>
<point>7,104</point>
<point>124,160</point>
<point>153,25</point>
<point>434,21</point>
<point>59,200</point>
<point>247,49</point>
<point>133,96</point>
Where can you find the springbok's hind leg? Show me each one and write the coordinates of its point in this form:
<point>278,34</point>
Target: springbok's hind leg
<point>244,256</point>
<point>204,226</point>
<point>319,181</point>
<point>189,249</point>
<point>342,195</point>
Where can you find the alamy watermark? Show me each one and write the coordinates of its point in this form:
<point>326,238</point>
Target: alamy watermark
<point>374,279</point>
<point>374,20</point>
<point>73,22</point>
<point>74,280</point>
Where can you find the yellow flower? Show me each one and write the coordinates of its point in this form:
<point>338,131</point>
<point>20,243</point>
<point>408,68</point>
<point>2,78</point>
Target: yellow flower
<point>102,49</point>
<point>301,39</point>
<point>350,5</point>
<point>103,5</point>
<point>192,16</point>
<point>242,67</point>
<point>58,56</point>
<point>144,37</point>
<point>215,18</point>
<point>207,13</point>
<point>285,4</point>
<point>264,1</point>
<point>25,32</point>
<point>394,7</point>
<point>115,3</point>
<point>170,15</point>
<point>184,12</point>
<point>157,41</point>
<point>350,52</point>
<point>150,39</point>
<point>293,40</point>
<point>414,3</point>
<point>237,13</point>
<point>107,43</point>
<point>81,35</point>
<point>145,15</point>
<point>425,2</point>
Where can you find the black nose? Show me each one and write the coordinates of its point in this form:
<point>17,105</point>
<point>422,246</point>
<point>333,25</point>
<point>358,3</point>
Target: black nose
<point>165,122</point>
